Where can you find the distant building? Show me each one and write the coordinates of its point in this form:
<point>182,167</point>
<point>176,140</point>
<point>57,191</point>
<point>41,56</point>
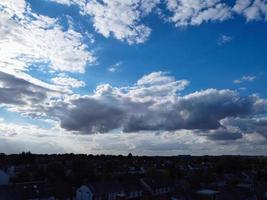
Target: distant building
<point>4,178</point>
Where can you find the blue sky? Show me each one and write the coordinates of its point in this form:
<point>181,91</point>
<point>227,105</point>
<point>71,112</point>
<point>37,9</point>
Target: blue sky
<point>154,77</point>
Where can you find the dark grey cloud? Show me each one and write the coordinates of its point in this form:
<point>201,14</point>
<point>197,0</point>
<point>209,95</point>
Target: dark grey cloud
<point>143,108</point>
<point>89,115</point>
<point>201,110</point>
<point>17,91</point>
<point>224,134</point>
<point>248,125</point>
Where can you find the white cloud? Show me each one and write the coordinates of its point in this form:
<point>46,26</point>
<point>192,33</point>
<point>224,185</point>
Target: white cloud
<point>39,39</point>
<point>121,19</point>
<point>114,67</point>
<point>245,79</point>
<point>241,5</point>
<point>223,39</point>
<point>156,86</point>
<point>64,80</point>
<point>14,7</point>
<point>195,12</point>
<point>252,9</point>
<point>26,137</point>
<point>11,129</point>
<point>155,78</point>
<point>65,2</point>
<point>35,42</point>
<point>19,137</point>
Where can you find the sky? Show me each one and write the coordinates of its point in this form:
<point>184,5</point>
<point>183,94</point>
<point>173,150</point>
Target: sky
<point>150,77</point>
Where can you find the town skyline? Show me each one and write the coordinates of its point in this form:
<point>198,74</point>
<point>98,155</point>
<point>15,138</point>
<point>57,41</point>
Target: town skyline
<point>147,77</point>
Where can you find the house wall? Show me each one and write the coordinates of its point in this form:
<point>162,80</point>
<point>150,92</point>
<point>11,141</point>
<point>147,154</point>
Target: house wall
<point>4,178</point>
<point>84,193</point>
<point>135,194</point>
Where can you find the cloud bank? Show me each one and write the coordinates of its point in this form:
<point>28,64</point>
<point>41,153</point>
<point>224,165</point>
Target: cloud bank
<point>153,103</point>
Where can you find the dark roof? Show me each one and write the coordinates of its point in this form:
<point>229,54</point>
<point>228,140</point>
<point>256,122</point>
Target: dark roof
<point>34,189</point>
<point>63,190</point>
<point>132,185</point>
<point>158,183</point>
<point>105,187</point>
<point>10,193</point>
<point>235,193</point>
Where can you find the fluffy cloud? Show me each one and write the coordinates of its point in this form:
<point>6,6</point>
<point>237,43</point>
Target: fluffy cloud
<point>154,104</point>
<point>69,82</point>
<point>14,7</point>
<point>199,110</point>
<point>27,39</point>
<point>121,18</point>
<point>89,115</point>
<point>251,9</point>
<point>195,12</point>
<point>156,86</point>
